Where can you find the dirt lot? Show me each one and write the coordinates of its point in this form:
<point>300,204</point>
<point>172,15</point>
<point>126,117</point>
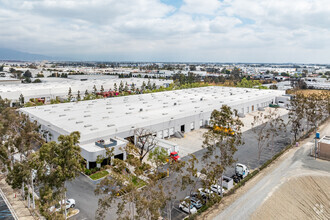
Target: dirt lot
<point>308,91</point>
<point>306,197</point>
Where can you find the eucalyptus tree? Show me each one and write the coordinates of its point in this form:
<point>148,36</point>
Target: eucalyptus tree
<point>296,114</point>
<point>260,131</point>
<point>121,86</point>
<point>115,87</point>
<point>276,126</point>
<point>61,162</point>
<point>69,94</point>
<point>221,142</point>
<point>133,87</point>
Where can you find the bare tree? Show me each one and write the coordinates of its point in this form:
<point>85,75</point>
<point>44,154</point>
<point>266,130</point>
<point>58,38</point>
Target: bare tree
<point>145,141</point>
<point>259,128</point>
<point>276,126</point>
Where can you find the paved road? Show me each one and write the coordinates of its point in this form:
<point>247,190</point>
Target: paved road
<point>82,189</point>
<point>246,154</point>
<point>297,162</point>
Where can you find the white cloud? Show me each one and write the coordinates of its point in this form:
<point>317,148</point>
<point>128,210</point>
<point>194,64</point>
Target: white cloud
<point>207,7</point>
<point>205,30</point>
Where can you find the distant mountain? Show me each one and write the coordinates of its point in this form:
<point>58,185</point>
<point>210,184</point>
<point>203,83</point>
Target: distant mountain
<point>9,54</point>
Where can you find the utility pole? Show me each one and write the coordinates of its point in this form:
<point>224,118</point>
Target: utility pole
<point>315,140</point>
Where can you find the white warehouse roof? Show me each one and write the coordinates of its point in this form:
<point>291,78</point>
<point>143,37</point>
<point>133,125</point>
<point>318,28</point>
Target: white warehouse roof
<point>56,87</point>
<point>108,117</point>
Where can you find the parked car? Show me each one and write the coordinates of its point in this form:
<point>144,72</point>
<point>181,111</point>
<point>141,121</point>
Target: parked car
<point>194,201</point>
<point>217,189</point>
<point>70,203</point>
<point>175,156</point>
<point>184,206</point>
<point>205,193</point>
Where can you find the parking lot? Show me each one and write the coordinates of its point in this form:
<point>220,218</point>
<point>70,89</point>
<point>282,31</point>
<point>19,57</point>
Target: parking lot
<point>193,141</point>
<point>82,189</point>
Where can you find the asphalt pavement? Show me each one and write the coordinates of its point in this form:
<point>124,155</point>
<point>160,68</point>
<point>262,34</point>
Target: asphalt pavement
<point>297,162</point>
<point>82,189</point>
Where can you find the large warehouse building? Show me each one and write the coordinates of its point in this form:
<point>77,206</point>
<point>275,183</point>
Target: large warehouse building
<point>164,113</point>
<point>54,87</point>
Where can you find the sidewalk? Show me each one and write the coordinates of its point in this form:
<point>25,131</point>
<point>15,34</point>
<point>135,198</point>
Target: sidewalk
<point>17,203</point>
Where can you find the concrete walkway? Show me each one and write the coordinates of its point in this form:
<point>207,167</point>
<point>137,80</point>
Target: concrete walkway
<point>17,204</point>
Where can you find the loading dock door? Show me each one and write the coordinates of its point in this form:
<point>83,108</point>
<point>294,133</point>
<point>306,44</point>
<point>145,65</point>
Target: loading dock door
<point>165,133</point>
<point>160,134</point>
<point>119,156</point>
<point>192,125</point>
<point>171,131</point>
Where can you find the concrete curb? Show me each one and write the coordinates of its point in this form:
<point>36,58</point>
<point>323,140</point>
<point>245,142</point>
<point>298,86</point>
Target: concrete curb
<point>74,214</point>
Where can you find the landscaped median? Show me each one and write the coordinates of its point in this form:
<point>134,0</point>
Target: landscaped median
<point>99,175</point>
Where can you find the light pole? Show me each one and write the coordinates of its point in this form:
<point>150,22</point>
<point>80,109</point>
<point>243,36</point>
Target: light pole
<point>316,137</point>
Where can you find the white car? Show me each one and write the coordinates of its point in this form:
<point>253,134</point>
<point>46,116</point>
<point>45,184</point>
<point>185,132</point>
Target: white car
<point>70,203</point>
<point>217,189</point>
<point>205,192</point>
<point>184,206</point>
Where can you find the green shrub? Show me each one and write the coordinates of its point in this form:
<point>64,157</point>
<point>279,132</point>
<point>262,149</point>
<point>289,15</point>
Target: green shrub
<point>134,161</point>
<point>95,169</point>
<point>134,180</point>
<point>88,172</point>
<point>138,171</point>
<point>145,166</point>
<point>129,156</point>
<point>106,167</point>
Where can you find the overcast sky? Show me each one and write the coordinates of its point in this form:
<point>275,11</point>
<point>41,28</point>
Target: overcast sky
<point>169,30</point>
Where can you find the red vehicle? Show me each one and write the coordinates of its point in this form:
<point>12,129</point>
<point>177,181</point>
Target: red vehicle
<point>174,156</point>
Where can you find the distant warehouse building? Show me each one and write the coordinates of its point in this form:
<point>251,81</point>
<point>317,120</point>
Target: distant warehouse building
<point>59,89</point>
<point>107,122</point>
